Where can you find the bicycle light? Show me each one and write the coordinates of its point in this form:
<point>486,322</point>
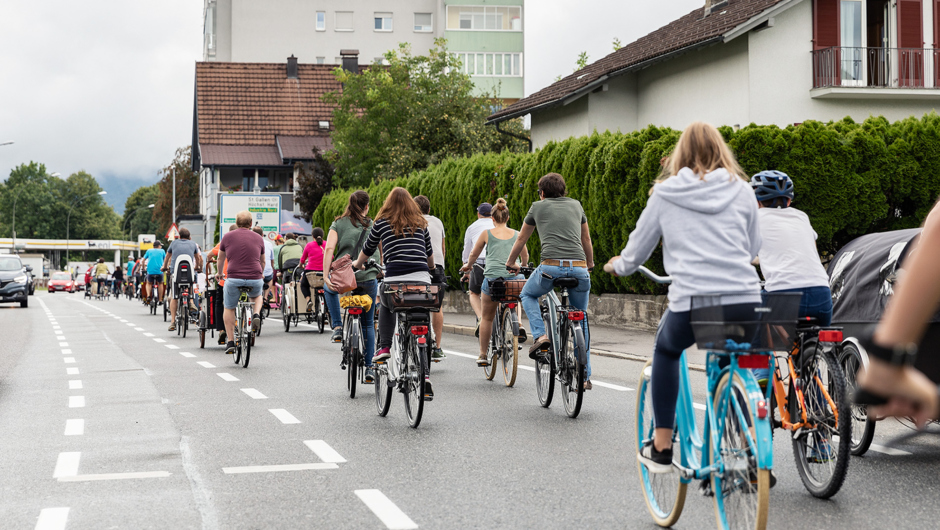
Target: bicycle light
<point>355,310</point>
<point>419,330</point>
<point>576,315</point>
<point>511,306</point>
<point>830,335</point>
<point>761,409</point>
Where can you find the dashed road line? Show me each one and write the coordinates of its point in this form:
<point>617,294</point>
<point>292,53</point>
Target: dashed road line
<point>74,427</point>
<point>157,340</point>
<point>172,346</point>
<point>324,452</point>
<point>67,464</point>
<point>888,450</point>
<point>186,354</point>
<point>148,334</point>
<point>68,360</point>
<point>76,402</point>
<point>138,329</point>
<point>52,519</point>
<point>284,416</point>
<point>386,510</point>
<point>71,371</point>
<point>227,377</point>
<point>205,364</point>
<point>75,384</point>
<point>254,394</point>
<point>66,351</point>
<point>115,476</point>
<point>277,468</point>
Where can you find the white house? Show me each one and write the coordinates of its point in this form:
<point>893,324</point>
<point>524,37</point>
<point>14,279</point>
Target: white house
<point>736,62</point>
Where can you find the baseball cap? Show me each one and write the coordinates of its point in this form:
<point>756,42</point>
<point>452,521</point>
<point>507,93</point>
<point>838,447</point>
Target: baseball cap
<point>485,209</point>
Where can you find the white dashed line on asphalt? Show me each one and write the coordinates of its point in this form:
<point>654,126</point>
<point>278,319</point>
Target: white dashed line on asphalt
<point>227,377</point>
<point>324,452</point>
<point>138,329</point>
<point>76,402</point>
<point>58,332</point>
<point>115,476</point>
<point>172,346</point>
<point>386,510</point>
<point>186,354</point>
<point>205,364</point>
<point>284,416</point>
<point>69,360</point>
<point>157,340</point>
<point>75,384</point>
<point>66,351</point>
<point>74,427</point>
<point>67,464</point>
<point>254,394</point>
<point>52,519</point>
<point>131,324</point>
<point>63,344</point>
<point>277,468</point>
<point>71,371</point>
<point>532,369</point>
<point>612,386</point>
<point>148,334</point>
<point>888,450</point>
<point>699,406</point>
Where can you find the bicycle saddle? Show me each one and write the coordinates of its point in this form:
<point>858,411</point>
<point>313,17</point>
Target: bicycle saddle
<point>566,283</point>
<point>245,289</point>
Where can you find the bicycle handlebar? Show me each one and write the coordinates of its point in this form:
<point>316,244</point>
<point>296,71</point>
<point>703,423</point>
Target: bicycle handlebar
<point>666,280</point>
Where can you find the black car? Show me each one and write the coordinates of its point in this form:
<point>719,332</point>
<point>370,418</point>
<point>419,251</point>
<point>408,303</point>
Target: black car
<point>14,281</point>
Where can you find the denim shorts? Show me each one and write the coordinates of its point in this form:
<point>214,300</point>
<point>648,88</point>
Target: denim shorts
<point>232,294</point>
<point>485,288</point>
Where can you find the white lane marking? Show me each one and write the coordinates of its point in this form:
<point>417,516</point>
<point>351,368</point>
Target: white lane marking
<point>138,329</point>
<point>383,508</point>
<point>227,377</point>
<point>460,354</point>
<point>254,394</point>
<point>612,386</point>
<point>284,416</point>
<point>157,340</point>
<point>122,320</point>
<point>324,452</point>
<point>67,465</point>
<point>71,371</point>
<point>186,354</point>
<point>74,427</point>
<point>172,346</point>
<point>60,338</point>
<point>58,332</point>
<point>63,344</point>
<point>75,384</point>
<point>115,476</point>
<point>699,406</point>
<point>131,324</point>
<point>69,360</point>
<point>888,450</point>
<point>66,351</point>
<point>148,334</point>
<point>276,468</point>
<point>532,369</point>
<point>205,364</point>
<point>52,519</point>
<point>76,402</point>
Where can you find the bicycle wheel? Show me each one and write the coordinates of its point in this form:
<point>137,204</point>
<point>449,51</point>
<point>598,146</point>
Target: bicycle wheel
<point>742,492</point>
<point>185,312</point>
<point>285,315</point>
<point>237,357</point>
<point>664,492</point>
<point>248,339</point>
<point>492,353</point>
<point>321,322</point>
<point>413,377</point>
<point>351,346</point>
<point>510,348</point>
<point>545,378</point>
<point>822,452</point>
<point>571,373</point>
<point>863,428</point>
<point>383,392</point>
<point>166,310</point>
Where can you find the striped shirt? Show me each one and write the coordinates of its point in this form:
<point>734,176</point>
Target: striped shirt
<point>402,255</point>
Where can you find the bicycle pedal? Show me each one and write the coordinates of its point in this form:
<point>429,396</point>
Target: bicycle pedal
<point>705,488</point>
<point>428,398</point>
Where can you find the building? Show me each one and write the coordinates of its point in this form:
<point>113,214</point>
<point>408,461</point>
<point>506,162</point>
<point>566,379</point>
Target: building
<point>735,62</point>
<point>486,34</point>
<point>252,123</point>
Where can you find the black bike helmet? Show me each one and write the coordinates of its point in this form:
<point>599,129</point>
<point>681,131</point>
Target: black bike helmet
<point>772,184</point>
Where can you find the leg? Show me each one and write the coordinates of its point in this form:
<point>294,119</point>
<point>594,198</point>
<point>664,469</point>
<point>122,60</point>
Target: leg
<point>162,291</point>
<point>305,290</point>
<point>368,320</point>
<point>173,304</point>
<point>229,317</point>
<point>486,323</point>
<point>476,304</point>
<point>476,285</point>
<point>536,287</point>
<point>437,323</point>
<point>579,297</point>
<point>332,303</point>
<point>386,327</point>
<point>673,336</point>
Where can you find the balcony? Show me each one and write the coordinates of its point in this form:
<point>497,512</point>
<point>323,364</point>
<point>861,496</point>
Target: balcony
<point>876,73</point>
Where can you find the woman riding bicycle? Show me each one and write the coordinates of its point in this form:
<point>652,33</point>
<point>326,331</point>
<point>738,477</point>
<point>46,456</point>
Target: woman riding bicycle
<point>118,276</point>
<point>705,213</point>
<point>312,260</point>
<point>498,243</point>
<point>401,229</point>
<point>101,274</point>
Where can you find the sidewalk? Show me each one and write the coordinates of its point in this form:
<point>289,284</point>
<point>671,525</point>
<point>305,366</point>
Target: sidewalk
<point>607,341</point>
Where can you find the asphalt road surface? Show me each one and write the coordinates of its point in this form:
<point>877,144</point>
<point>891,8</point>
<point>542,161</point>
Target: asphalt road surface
<point>110,421</point>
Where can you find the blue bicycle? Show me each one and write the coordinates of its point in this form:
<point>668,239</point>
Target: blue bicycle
<point>732,451</point>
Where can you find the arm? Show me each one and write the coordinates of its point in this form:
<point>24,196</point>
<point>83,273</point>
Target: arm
<point>524,235</point>
<point>331,239</point>
<point>753,230</point>
<point>525,255</point>
<point>368,248</point>
<point>198,260</point>
<point>586,245</point>
<point>429,249</point>
<point>642,241</point>
<point>477,250</point>
<point>305,255</point>
<point>467,246</point>
<point>166,262</point>
<point>221,265</point>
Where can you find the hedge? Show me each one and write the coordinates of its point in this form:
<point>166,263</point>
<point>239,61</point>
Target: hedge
<point>850,178</point>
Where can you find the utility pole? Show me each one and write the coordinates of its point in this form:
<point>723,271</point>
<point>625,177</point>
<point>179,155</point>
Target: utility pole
<point>173,172</point>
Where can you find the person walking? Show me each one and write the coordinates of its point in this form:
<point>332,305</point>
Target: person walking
<point>241,255</point>
<point>183,246</point>
<point>436,231</point>
<point>483,223</point>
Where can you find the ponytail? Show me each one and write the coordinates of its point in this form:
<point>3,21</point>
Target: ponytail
<point>500,211</point>
<point>317,234</point>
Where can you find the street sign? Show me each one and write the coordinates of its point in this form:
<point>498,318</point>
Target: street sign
<point>265,210</point>
<point>172,233</point>
<point>146,241</point>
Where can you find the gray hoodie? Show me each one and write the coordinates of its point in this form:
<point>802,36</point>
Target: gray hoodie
<point>710,236</point>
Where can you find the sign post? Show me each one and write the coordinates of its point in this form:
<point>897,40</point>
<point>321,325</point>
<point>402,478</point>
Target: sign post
<point>145,241</point>
<point>265,210</point>
<point>172,233</point>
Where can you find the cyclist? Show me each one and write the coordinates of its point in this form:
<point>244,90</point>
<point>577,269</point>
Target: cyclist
<point>290,250</point>
<point>220,281</point>
<point>567,252</point>
<point>484,222</point>
<point>88,281</point>
<point>436,229</point>
<point>498,243</point>
<point>101,274</point>
<point>705,213</point>
<point>268,273</point>
<point>241,256</point>
<point>402,232</point>
<point>118,277</point>
<point>312,260</point>
<point>154,258</point>
<point>184,246</point>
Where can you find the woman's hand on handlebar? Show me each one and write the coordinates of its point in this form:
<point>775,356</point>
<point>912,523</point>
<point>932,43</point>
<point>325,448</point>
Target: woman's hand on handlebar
<point>609,266</point>
<point>513,267</point>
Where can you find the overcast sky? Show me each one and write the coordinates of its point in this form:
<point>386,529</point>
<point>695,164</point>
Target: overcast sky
<point>107,86</point>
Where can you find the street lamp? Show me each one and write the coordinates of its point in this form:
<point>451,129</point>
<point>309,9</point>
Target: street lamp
<point>133,214</point>
<point>68,218</point>
<point>15,197</point>
<point>6,143</point>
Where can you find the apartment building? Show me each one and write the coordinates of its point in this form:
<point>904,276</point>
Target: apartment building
<point>487,35</point>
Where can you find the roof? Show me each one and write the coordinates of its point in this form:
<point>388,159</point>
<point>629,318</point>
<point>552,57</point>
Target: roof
<point>301,147</point>
<point>685,34</point>
<point>240,155</point>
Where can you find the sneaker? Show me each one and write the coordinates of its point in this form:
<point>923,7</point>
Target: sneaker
<point>476,332</point>
<point>535,351</point>
<point>522,335</point>
<point>588,385</point>
<point>337,335</point>
<point>428,389</point>
<point>230,348</point>
<point>382,355</point>
<point>172,327</point>
<point>655,461</point>
<point>255,323</point>
<point>437,354</point>
<point>370,376</point>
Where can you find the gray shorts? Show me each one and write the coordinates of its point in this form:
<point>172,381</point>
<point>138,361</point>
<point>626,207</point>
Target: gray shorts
<point>476,279</point>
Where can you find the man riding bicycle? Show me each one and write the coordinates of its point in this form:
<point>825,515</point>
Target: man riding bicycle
<point>154,258</point>
<point>241,256</point>
<point>184,246</point>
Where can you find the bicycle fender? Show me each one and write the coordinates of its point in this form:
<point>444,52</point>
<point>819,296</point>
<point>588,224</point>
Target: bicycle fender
<point>762,427</point>
<point>579,343</point>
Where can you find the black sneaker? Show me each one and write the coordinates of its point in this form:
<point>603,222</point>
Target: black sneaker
<point>522,335</point>
<point>437,354</point>
<point>428,390</point>
<point>337,335</point>
<point>370,376</point>
<point>230,348</point>
<point>256,323</point>
<point>655,461</point>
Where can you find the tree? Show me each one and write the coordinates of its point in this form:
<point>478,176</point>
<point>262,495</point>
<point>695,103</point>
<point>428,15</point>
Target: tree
<point>137,217</point>
<point>416,111</point>
<point>187,191</point>
<point>314,180</point>
<point>582,62</point>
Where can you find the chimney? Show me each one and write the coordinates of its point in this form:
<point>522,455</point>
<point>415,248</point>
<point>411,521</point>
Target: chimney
<point>714,5</point>
<point>292,67</point>
<point>350,60</point>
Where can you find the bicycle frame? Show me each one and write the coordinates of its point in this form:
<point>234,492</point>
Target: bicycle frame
<point>552,327</point>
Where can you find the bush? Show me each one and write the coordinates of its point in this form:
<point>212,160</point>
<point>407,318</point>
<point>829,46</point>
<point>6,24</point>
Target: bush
<point>850,178</point>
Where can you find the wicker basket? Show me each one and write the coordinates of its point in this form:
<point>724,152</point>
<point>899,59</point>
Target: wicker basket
<point>501,289</point>
<point>404,296</point>
<point>315,279</point>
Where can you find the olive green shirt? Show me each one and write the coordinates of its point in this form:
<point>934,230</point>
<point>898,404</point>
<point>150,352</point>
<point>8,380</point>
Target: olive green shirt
<point>347,237</point>
<point>558,221</point>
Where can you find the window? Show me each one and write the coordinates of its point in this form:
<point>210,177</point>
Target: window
<point>491,64</point>
<point>339,61</point>
<point>344,21</point>
<point>383,22</point>
<point>321,60</point>
<point>423,22</point>
<point>321,20</point>
<point>378,60</point>
<point>483,18</point>
<point>209,29</point>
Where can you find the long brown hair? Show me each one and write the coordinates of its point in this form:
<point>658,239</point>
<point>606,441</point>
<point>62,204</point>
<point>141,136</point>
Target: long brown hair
<point>702,149</point>
<point>356,209</point>
<point>402,212</point>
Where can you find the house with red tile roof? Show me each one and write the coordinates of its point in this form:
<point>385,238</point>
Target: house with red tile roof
<point>252,124</point>
<point>736,62</point>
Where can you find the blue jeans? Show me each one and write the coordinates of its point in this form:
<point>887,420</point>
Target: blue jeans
<point>368,318</point>
<point>540,283</point>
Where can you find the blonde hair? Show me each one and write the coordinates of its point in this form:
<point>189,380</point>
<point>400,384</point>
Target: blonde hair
<point>500,211</point>
<point>702,149</point>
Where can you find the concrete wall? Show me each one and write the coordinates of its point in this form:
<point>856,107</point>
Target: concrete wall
<point>617,108</point>
<point>559,123</point>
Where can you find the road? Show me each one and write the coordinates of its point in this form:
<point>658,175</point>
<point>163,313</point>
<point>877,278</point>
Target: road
<point>111,421</point>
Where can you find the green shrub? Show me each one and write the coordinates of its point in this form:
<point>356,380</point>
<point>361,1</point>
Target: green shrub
<point>850,178</point>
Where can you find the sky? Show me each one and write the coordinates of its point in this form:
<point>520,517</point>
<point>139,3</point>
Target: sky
<point>106,86</point>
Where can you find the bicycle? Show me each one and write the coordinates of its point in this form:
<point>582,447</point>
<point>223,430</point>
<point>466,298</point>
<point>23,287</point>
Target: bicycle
<point>504,339</point>
<point>815,407</point>
<point>565,356</point>
<point>244,337</point>
<point>733,449</point>
<point>353,343</point>
<point>408,367</point>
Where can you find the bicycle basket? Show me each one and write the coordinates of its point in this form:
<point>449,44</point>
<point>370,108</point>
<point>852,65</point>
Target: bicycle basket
<point>736,322</point>
<point>501,289</point>
<point>404,296</point>
<point>314,278</point>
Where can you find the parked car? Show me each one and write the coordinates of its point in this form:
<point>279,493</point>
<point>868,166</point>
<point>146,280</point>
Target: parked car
<point>61,281</point>
<point>14,281</point>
